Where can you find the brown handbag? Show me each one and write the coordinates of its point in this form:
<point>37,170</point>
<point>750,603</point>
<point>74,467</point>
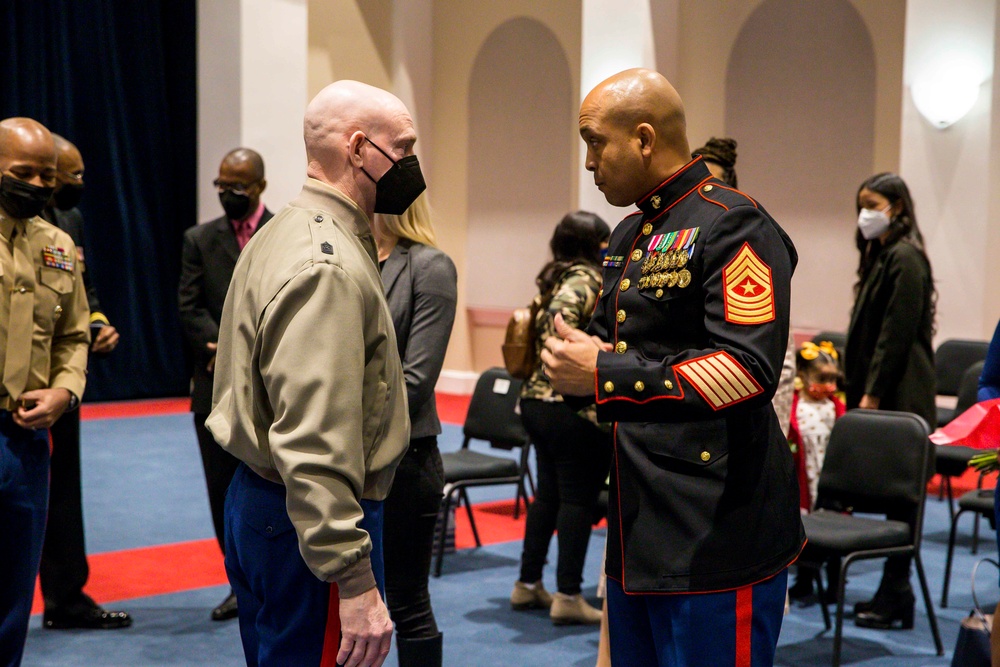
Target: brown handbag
<point>520,357</point>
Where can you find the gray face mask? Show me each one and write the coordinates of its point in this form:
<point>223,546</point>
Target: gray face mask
<point>873,224</point>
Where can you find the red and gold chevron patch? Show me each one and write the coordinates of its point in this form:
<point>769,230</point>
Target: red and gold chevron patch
<point>749,293</point>
<point>720,379</point>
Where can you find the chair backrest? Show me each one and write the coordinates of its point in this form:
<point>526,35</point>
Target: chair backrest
<point>875,457</point>
<point>951,359</point>
<point>968,388</point>
<point>492,413</point>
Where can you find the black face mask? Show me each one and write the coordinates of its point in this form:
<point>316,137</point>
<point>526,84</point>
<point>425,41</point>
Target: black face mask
<point>68,196</point>
<point>21,199</point>
<point>400,186</point>
<point>236,206</point>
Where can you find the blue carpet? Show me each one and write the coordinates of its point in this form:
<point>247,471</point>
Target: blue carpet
<point>143,486</point>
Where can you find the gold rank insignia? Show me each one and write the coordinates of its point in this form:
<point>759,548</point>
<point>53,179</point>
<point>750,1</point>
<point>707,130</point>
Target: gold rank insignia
<point>749,293</point>
<point>719,378</point>
<point>656,201</point>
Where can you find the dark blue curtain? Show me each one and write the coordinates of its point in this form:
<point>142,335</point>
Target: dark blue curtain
<point>118,80</point>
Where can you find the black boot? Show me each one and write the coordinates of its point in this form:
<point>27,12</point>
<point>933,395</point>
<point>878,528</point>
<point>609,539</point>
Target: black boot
<point>895,584</point>
<point>420,652</point>
<point>803,586</point>
<point>885,612</point>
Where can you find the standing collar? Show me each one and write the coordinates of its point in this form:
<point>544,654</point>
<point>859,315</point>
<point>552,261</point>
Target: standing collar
<point>317,194</point>
<point>670,191</point>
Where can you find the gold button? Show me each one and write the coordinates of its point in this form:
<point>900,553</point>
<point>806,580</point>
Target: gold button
<point>668,384</point>
<point>609,386</point>
<point>58,310</point>
<point>22,290</point>
<point>621,347</point>
<point>705,456</point>
<point>659,293</point>
<point>636,255</point>
<point>620,316</point>
<point>639,386</point>
<point>625,284</point>
<point>647,229</point>
<point>707,188</point>
<point>600,293</point>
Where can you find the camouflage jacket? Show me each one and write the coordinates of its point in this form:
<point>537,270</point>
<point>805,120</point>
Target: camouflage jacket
<point>575,296</point>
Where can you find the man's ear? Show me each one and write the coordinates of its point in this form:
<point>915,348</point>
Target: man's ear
<point>354,148</point>
<point>647,138</point>
<point>262,184</point>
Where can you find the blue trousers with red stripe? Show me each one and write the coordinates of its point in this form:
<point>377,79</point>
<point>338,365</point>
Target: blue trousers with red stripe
<point>730,629</point>
<point>287,615</point>
<point>24,497</point>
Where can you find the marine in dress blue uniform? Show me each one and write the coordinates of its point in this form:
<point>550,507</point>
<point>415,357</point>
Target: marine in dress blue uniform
<point>703,518</point>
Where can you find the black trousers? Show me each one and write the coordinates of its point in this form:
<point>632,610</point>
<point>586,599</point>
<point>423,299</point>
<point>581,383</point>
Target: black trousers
<point>64,569</point>
<point>408,536</point>
<point>573,458</point>
<point>220,466</point>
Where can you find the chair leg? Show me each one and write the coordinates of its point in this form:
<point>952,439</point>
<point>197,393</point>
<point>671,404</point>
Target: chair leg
<point>464,498</point>
<point>948,559</point>
<point>839,631</point>
<point>927,601</point>
<point>439,546</point>
<point>975,533</point>
<point>821,593</point>
<point>951,499</point>
<point>941,488</point>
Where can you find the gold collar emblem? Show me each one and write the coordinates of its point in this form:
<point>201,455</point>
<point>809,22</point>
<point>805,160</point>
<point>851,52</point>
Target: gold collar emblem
<point>655,201</point>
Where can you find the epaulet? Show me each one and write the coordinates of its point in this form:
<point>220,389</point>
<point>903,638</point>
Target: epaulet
<point>725,196</point>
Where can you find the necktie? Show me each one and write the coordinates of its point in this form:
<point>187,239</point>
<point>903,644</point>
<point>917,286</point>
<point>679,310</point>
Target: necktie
<point>18,354</point>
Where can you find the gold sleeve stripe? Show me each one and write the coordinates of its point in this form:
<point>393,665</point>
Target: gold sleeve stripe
<point>720,379</point>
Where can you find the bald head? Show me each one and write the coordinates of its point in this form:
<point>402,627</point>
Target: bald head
<point>341,124</point>
<point>636,133</point>
<point>27,151</point>
<point>249,157</point>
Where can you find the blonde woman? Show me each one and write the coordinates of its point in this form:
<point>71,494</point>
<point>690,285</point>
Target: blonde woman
<point>420,286</point>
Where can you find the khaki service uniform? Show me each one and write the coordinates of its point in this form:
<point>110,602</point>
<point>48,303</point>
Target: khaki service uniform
<point>44,336</point>
<point>309,395</point>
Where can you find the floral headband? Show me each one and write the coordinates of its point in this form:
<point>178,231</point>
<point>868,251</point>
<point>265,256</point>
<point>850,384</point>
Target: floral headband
<point>811,350</point>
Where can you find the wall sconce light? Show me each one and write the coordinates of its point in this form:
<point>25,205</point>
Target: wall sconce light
<point>946,93</point>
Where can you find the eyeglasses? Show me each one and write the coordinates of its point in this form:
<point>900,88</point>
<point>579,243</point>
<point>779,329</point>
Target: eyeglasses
<point>235,188</point>
<point>76,178</point>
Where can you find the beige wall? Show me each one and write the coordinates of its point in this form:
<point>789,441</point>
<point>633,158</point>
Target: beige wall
<point>460,29</point>
<point>426,51</point>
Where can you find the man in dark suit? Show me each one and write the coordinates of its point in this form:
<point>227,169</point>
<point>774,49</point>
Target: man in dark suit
<point>64,570</point>
<point>207,263</point>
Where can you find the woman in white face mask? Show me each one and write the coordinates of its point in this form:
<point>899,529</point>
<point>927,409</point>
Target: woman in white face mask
<point>889,361</point>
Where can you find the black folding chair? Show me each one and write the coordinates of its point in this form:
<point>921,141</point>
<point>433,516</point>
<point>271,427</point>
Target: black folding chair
<point>951,360</point>
<point>492,418</point>
<point>953,460</point>
<point>980,503</point>
<point>875,458</point>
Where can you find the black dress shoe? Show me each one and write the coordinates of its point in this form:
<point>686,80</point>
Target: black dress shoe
<point>226,610</point>
<point>884,614</point>
<point>91,618</point>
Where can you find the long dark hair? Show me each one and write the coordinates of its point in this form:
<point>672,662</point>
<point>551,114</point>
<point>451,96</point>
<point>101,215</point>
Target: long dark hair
<point>903,228</point>
<point>577,239</point>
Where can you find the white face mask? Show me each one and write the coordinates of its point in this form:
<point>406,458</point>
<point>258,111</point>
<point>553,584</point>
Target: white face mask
<point>873,223</point>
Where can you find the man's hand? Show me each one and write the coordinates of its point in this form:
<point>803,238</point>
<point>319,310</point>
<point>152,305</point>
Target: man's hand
<point>869,402</point>
<point>46,406</point>
<point>366,630</point>
<point>106,341</point>
<point>570,363</point>
<point>211,347</point>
